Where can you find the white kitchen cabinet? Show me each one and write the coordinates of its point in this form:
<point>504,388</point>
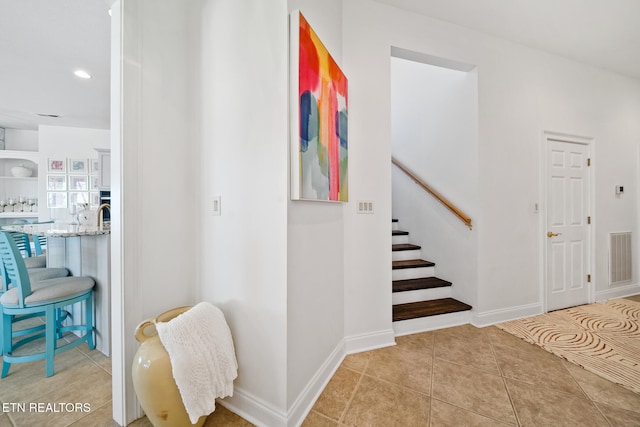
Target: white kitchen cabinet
<point>104,160</point>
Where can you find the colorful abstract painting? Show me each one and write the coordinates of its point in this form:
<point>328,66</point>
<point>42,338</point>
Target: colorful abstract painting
<point>319,146</point>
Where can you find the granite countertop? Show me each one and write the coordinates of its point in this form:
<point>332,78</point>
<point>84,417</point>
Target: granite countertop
<point>61,229</point>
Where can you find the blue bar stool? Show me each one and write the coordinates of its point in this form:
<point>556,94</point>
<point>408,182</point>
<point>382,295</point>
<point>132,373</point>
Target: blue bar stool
<point>44,298</point>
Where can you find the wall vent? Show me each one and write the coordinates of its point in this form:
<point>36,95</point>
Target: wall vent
<point>619,258</point>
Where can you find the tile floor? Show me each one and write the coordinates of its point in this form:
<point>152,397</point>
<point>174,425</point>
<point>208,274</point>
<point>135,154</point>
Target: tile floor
<point>462,376</point>
<point>465,376</point>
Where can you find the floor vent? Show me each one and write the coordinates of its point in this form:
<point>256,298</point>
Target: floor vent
<point>620,258</point>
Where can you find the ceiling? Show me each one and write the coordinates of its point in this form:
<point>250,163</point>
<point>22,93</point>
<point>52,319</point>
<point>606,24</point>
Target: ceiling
<point>43,41</point>
<point>597,32</point>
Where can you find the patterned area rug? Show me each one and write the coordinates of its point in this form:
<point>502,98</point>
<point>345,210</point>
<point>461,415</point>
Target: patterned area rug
<point>603,338</point>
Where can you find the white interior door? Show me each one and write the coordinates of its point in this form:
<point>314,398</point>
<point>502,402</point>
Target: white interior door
<point>567,233</point>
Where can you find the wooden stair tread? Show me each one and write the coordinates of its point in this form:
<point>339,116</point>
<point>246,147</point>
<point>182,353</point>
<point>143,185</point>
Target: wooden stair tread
<point>411,263</point>
<point>394,220</point>
<point>404,247</point>
<point>399,233</point>
<point>420,283</point>
<point>414,310</point>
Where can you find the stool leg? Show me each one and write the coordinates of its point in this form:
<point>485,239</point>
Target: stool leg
<point>1,334</point>
<point>7,327</point>
<point>50,334</point>
<point>89,322</point>
<point>59,320</point>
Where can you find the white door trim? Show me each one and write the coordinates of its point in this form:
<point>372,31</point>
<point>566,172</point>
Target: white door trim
<point>542,221</point>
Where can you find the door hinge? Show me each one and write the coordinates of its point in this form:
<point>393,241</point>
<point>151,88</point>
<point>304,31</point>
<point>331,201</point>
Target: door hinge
<point>588,278</point>
<point>588,162</point>
<point>588,220</point>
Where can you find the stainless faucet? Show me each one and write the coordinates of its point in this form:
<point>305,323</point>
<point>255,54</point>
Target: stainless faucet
<point>100,209</point>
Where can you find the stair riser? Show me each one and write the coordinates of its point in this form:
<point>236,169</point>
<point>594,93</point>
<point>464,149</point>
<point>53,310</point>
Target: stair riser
<point>412,273</point>
<point>405,255</point>
<point>431,323</point>
<point>421,295</point>
<point>394,226</point>
<point>399,239</point>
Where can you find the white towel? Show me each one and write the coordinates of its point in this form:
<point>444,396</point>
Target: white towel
<point>203,359</point>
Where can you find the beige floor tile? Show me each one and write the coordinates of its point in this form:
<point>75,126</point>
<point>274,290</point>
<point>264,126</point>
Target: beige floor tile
<point>224,417</point>
<point>140,422</point>
<point>536,368</point>
<point>422,342</point>
<point>55,418</point>
<point>635,298</point>
<point>618,417</point>
<point>445,415</point>
<point>478,391</point>
<point>539,406</point>
<point>333,400</point>
<point>357,362</point>
<point>315,419</point>
<point>601,390</point>
<point>378,403</point>
<point>402,367</point>
<point>5,421</point>
<point>468,332</point>
<point>27,381</point>
<point>89,385</point>
<point>98,417</point>
<point>98,357</point>
<point>476,353</point>
<point>499,337</point>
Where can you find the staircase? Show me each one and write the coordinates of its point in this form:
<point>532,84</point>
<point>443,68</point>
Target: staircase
<point>421,301</point>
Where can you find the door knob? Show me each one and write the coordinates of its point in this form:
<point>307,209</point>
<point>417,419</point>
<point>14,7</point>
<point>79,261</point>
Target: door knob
<point>550,234</point>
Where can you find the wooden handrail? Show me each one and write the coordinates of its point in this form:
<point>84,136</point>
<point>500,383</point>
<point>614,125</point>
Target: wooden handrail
<point>439,197</point>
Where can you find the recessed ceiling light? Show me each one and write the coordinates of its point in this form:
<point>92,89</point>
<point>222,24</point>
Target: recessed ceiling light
<point>82,74</point>
<point>109,12</point>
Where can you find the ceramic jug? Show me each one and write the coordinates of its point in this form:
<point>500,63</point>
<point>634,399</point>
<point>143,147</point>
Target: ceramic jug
<point>153,380</point>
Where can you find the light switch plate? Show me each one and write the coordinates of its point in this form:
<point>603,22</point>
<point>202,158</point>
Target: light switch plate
<point>365,206</point>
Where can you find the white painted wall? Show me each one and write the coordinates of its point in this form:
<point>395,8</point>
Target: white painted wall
<point>522,92</point>
<point>155,198</point>
<point>21,139</point>
<point>315,258</point>
<point>240,134</point>
<point>367,237</point>
<point>65,143</point>
<point>435,134</point>
<point>243,159</point>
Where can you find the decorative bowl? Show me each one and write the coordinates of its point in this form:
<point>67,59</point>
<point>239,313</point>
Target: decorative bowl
<point>21,171</point>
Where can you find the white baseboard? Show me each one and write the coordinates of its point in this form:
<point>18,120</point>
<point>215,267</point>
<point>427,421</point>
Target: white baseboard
<point>431,323</point>
<point>253,409</point>
<point>618,292</point>
<point>492,317</point>
<point>260,413</point>
<point>316,385</point>
<point>371,341</point>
